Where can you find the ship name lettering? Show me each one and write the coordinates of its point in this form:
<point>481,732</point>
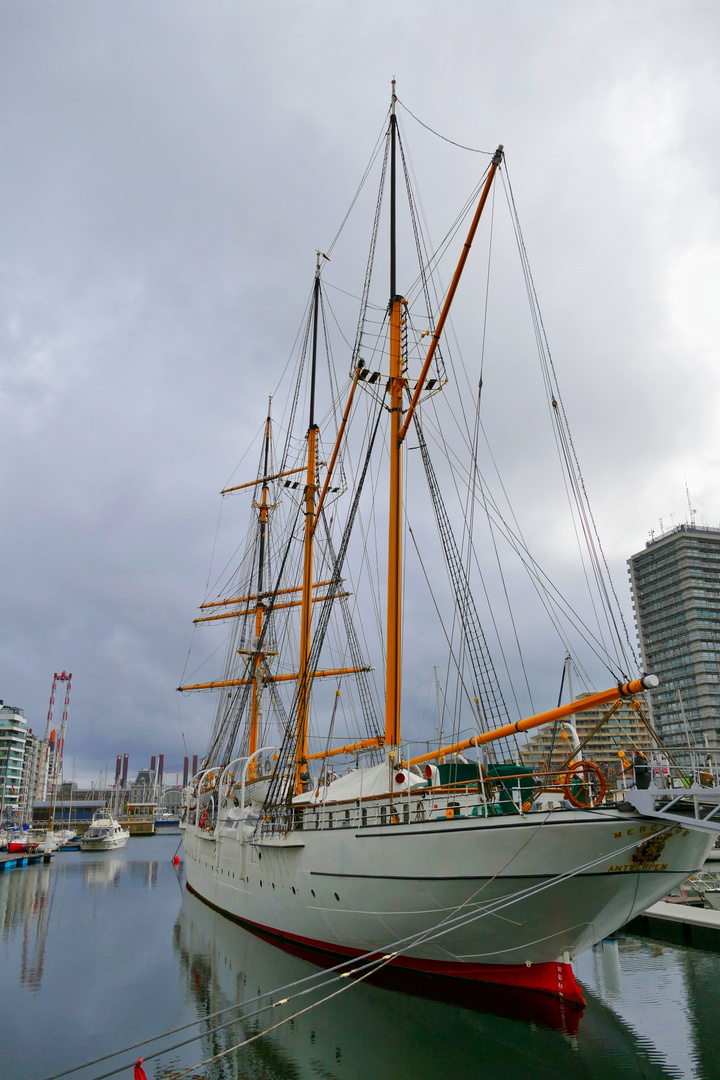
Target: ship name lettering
<point>622,868</point>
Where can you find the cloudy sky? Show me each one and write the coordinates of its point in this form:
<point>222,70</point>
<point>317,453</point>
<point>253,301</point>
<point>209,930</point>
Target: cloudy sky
<point>168,168</point>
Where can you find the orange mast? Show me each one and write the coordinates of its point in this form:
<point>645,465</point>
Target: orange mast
<point>394,599</point>
<point>255,708</point>
<point>303,700</point>
<point>398,431</point>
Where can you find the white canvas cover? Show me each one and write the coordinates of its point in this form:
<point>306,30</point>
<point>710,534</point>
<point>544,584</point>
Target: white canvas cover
<point>376,780</point>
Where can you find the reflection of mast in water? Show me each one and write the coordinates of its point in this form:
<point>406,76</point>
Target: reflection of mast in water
<point>37,924</point>
<point>701,969</point>
<point>262,1058</point>
<point>147,871</point>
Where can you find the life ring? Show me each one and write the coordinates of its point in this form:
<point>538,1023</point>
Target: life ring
<point>585,784</point>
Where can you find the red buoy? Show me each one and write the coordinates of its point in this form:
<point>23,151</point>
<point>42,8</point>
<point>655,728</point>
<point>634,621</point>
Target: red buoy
<point>140,1073</point>
<point>176,860</point>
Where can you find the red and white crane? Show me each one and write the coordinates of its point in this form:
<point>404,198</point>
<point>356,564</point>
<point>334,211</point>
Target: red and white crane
<point>55,741</point>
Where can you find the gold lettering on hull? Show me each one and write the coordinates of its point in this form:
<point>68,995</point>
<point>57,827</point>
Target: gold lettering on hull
<point>626,868</point>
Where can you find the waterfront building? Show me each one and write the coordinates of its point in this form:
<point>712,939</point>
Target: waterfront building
<point>622,733</point>
<point>675,585</point>
<point>145,787</point>
<point>13,732</point>
<point>171,798</point>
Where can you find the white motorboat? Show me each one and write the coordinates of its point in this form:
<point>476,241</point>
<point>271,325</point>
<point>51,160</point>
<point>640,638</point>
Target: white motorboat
<point>104,834</point>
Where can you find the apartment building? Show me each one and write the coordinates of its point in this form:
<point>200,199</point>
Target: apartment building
<point>675,585</point>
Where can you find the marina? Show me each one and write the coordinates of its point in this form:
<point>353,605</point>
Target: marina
<point>650,1007</point>
<point>14,862</point>
<point>360,674</point>
<point>680,923</point>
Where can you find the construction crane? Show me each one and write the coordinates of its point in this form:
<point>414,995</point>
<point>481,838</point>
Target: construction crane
<point>55,741</point>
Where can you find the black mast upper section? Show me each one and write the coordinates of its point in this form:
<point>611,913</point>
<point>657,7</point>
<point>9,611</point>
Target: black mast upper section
<point>393,140</point>
<point>263,523</point>
<point>313,366</point>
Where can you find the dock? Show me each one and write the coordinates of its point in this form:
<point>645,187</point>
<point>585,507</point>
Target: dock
<point>15,862</point>
<point>679,924</point>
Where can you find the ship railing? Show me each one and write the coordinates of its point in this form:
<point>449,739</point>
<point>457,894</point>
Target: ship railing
<point>681,784</point>
<point>675,768</point>
<point>483,796</point>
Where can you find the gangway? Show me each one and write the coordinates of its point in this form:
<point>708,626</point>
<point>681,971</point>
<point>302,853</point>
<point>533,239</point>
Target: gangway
<point>687,793</point>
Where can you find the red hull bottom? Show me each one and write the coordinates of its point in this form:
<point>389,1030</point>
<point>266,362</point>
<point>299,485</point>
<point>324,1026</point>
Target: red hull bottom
<point>557,979</point>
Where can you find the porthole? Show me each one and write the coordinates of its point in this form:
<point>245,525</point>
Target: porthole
<point>312,891</point>
<point>293,889</point>
<point>336,897</point>
<point>261,884</point>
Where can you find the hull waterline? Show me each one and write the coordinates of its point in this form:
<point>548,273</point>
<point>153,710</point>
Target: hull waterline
<point>534,894</point>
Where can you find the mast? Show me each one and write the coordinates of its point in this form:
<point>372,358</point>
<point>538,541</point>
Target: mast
<point>303,707</point>
<point>255,705</point>
<point>394,599</point>
<point>399,427</point>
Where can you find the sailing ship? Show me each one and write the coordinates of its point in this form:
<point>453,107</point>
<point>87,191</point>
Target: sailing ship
<point>477,869</point>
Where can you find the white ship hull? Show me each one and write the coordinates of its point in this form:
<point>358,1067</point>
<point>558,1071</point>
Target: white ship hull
<point>356,890</point>
<point>104,845</point>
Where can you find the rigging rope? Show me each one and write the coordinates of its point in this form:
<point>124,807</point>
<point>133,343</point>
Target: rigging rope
<point>368,962</point>
<point>444,138</point>
<point>276,793</point>
<point>559,408</point>
<point>493,708</point>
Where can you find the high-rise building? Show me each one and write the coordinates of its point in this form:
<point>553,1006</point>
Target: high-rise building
<point>675,584</point>
<point>12,754</point>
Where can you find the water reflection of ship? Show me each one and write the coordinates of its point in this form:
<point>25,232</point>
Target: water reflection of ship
<point>105,871</point>
<point>26,902</point>
<point>376,1028</point>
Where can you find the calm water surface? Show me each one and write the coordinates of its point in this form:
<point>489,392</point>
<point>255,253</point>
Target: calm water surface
<point>101,950</point>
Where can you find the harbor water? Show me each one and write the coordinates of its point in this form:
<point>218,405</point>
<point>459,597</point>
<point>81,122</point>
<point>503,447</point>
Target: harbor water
<point>100,951</point>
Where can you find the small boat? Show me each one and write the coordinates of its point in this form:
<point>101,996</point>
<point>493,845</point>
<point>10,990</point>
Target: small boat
<point>105,833</point>
<point>18,847</point>
<point>166,822</point>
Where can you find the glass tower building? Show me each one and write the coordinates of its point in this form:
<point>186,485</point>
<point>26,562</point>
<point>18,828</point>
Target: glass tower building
<point>12,754</point>
<point>675,584</point>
